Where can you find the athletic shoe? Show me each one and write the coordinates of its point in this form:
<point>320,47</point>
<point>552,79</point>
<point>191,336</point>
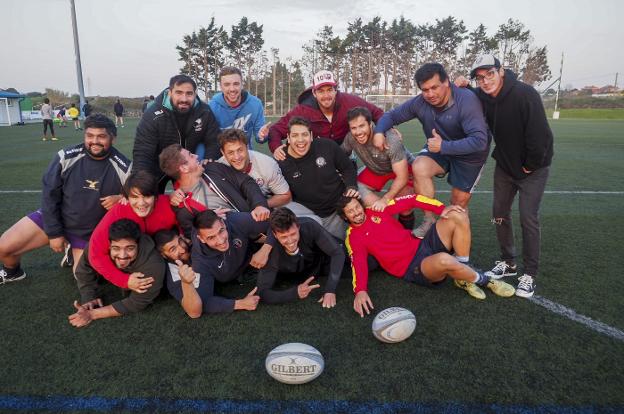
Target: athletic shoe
<point>502,269</point>
<point>501,288</point>
<point>420,231</point>
<point>68,258</point>
<point>6,278</point>
<point>525,288</point>
<point>54,139</point>
<point>472,289</point>
<point>44,139</point>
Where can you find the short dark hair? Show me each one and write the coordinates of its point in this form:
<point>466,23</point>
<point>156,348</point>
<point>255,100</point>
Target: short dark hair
<point>232,135</point>
<point>342,203</point>
<point>170,160</point>
<point>46,100</point>
<point>143,181</point>
<point>124,229</point>
<point>179,80</point>
<point>101,121</point>
<point>359,111</point>
<point>282,219</point>
<point>428,71</point>
<point>205,219</point>
<point>298,120</point>
<point>230,70</point>
<point>151,97</point>
<point>162,237</point>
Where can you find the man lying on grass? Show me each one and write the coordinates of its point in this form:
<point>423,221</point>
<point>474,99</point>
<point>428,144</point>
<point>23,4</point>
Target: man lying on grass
<point>425,262</point>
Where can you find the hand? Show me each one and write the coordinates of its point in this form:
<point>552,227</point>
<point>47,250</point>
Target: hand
<point>249,302</point>
<point>92,304</point>
<point>110,201</point>
<point>261,257</point>
<point>138,283</point>
<point>379,205</point>
<point>260,213</point>
<point>379,141</point>
<point>205,162</point>
<point>461,81</point>
<point>448,209</point>
<point>328,300</point>
<point>279,153</point>
<point>58,244</point>
<point>264,131</point>
<point>304,289</point>
<point>434,144</point>
<point>123,201</point>
<point>177,197</point>
<point>524,170</point>
<point>81,318</point>
<point>187,275</point>
<point>362,302</point>
<point>221,212</point>
<point>352,192</point>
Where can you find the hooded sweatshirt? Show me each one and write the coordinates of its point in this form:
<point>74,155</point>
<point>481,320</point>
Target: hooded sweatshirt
<point>247,116</point>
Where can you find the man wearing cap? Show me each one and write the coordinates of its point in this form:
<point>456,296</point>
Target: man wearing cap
<point>457,138</point>
<point>325,108</point>
<point>523,153</point>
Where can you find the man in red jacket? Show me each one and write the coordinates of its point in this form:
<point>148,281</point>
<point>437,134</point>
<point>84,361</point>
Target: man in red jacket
<point>325,108</point>
<point>425,262</point>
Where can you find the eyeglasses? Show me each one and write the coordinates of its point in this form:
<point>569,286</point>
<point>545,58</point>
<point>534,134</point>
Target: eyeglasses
<point>489,75</point>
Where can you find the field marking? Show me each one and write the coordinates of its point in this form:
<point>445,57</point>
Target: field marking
<point>571,314</point>
<point>590,192</point>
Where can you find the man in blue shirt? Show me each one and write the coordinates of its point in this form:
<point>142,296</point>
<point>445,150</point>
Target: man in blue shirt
<point>457,144</point>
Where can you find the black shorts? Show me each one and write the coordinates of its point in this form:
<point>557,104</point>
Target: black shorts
<point>430,245</point>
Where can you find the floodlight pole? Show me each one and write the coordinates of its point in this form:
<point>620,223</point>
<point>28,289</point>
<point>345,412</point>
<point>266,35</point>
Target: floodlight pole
<point>556,113</point>
<point>77,53</point>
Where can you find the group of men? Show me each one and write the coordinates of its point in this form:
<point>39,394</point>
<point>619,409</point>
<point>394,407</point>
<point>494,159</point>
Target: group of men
<point>236,213</point>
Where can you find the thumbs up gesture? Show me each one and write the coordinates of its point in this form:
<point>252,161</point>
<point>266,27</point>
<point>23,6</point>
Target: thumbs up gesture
<point>434,143</point>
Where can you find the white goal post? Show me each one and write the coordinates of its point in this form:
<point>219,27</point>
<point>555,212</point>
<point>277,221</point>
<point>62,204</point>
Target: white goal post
<point>387,102</point>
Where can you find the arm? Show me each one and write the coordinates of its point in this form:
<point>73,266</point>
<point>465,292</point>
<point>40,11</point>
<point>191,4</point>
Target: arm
<point>266,280</point>
<point>345,167</point>
<point>402,113</point>
<point>191,301</point>
<point>278,132</point>
<point>247,187</point>
<point>210,138</point>
<point>259,121</point>
<point>145,149</point>
<point>185,213</point>
<point>411,201</point>
<point>277,185</point>
<point>401,170</point>
<point>52,199</point>
<point>211,303</point>
<point>474,126</point>
<point>359,263</point>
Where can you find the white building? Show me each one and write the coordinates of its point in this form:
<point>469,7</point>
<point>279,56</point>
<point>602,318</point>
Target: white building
<point>10,112</point>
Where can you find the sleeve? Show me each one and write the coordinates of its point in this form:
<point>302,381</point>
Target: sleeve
<point>346,145</point>
<point>411,201</point>
<point>474,127</point>
<point>210,137</point>
<point>259,121</point>
<point>359,263</point>
<point>248,188</point>
<point>376,112</point>
<point>210,302</point>
<point>278,131</point>
<point>396,150</point>
<point>266,280</point>
<point>99,244</point>
<point>145,149</point>
<point>277,183</point>
<point>52,198</point>
<point>538,137</point>
<point>402,113</point>
<point>251,226</point>
<point>344,166</point>
<point>331,248</point>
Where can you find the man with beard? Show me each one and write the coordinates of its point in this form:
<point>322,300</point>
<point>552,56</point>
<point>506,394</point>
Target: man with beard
<point>177,116</point>
<point>82,182</point>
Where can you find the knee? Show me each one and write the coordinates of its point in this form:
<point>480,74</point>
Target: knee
<point>448,262</point>
<point>459,218</point>
<point>420,169</point>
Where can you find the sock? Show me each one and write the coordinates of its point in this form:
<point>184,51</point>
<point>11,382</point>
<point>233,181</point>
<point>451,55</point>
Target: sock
<point>407,221</point>
<point>463,259</point>
<point>481,279</point>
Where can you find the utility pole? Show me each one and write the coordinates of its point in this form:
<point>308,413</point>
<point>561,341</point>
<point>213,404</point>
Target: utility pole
<point>77,53</point>
<point>556,112</point>
<point>615,83</point>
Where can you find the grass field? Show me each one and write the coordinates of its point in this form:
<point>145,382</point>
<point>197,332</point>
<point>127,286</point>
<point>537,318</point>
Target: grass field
<point>498,355</point>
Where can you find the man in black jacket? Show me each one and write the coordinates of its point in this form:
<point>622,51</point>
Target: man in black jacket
<point>177,116</point>
<point>523,153</point>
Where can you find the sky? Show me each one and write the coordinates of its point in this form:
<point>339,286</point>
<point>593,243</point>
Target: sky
<point>127,47</point>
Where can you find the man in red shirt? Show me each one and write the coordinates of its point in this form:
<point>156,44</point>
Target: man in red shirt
<point>425,262</point>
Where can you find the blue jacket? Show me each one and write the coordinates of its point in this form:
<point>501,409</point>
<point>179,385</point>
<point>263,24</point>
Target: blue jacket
<point>461,124</point>
<point>248,116</point>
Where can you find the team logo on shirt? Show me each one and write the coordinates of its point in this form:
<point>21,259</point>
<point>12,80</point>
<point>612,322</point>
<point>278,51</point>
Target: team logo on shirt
<point>260,181</point>
<point>320,162</point>
<point>376,219</point>
<point>198,125</point>
<point>91,185</point>
<point>237,243</point>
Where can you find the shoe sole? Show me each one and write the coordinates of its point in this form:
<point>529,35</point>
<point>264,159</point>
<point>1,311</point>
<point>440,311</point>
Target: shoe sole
<point>524,294</point>
<point>496,277</point>
<point>17,279</point>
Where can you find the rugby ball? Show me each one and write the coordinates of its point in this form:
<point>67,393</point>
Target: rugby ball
<point>294,363</point>
<point>394,325</point>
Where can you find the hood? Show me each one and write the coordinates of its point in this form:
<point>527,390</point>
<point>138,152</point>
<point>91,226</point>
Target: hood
<point>219,100</point>
<point>306,98</point>
<point>165,101</point>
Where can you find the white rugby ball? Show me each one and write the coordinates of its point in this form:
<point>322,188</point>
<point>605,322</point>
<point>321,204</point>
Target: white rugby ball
<point>394,325</point>
<point>294,363</point>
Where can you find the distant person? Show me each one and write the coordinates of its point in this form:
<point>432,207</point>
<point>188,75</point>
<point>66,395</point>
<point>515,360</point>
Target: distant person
<point>236,108</point>
<point>147,102</point>
<point>74,114</point>
<point>119,110</point>
<point>87,109</point>
<point>61,117</point>
<point>81,183</point>
<point>177,116</point>
<point>47,113</point>
<point>523,153</point>
<point>134,254</point>
<point>325,107</point>
<point>457,137</point>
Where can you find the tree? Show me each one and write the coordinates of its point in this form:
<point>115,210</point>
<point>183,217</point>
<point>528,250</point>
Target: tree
<point>536,68</point>
<point>56,96</point>
<point>479,43</point>
<point>513,43</point>
<point>244,44</point>
<point>446,36</point>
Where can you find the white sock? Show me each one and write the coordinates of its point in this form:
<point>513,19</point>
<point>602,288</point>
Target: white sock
<point>463,259</point>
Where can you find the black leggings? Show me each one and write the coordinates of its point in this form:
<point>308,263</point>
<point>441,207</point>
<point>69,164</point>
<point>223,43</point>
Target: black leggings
<point>47,122</point>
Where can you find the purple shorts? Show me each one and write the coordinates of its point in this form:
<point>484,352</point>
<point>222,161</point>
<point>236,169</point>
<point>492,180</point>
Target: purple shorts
<point>75,241</point>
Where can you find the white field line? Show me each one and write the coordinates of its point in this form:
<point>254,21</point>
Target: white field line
<point>564,311</point>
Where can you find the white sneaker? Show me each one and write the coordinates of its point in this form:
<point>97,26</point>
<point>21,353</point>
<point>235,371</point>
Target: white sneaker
<point>525,288</point>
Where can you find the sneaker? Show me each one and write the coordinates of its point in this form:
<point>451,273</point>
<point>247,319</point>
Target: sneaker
<point>525,288</point>
<point>501,288</point>
<point>54,139</point>
<point>44,139</point>
<point>472,289</point>
<point>5,278</point>
<point>502,269</point>
<point>421,231</point>
<point>68,258</point>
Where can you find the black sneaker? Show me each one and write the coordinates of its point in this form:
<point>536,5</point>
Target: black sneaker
<point>6,278</point>
<point>502,269</point>
<point>525,288</point>
<point>68,259</point>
